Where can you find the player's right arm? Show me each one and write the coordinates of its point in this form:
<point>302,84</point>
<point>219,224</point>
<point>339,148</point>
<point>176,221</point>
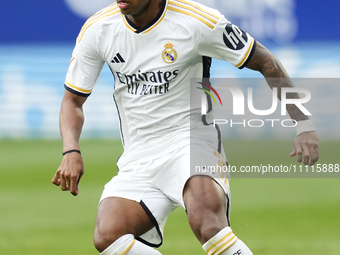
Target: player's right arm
<point>71,168</point>
<point>85,67</point>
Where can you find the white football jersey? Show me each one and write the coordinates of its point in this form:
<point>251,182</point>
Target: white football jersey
<point>152,68</point>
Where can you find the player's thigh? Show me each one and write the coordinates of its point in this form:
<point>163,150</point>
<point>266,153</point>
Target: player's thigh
<point>206,192</point>
<point>119,216</point>
<point>206,205</point>
<point>203,193</point>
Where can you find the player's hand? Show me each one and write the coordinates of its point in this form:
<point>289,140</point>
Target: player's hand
<point>69,173</point>
<point>306,148</point>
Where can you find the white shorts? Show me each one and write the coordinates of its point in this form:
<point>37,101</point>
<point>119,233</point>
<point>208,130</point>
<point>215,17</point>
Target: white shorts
<point>158,186</point>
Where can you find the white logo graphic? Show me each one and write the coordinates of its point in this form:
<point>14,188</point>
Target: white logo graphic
<point>86,8</point>
<point>239,99</point>
<point>234,38</point>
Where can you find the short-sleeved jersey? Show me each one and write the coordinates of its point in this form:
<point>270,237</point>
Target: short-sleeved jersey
<point>152,67</point>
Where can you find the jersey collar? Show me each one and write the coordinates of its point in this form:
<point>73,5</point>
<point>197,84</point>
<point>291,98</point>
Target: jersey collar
<point>151,25</point>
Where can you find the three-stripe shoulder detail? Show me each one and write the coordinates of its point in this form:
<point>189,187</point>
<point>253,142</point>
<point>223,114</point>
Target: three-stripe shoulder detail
<point>193,10</point>
<point>106,12</point>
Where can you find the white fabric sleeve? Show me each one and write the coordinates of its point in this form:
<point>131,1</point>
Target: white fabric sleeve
<point>85,65</point>
<point>226,42</point>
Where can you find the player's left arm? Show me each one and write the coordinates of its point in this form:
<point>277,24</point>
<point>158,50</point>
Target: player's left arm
<point>306,144</point>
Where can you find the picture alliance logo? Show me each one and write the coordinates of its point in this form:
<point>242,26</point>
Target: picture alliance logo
<point>238,105</point>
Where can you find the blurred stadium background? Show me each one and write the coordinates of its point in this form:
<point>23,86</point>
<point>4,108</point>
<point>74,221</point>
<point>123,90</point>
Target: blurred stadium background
<point>274,216</point>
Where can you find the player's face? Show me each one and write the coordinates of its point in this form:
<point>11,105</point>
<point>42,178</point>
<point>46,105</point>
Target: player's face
<point>140,10</point>
<point>133,7</point>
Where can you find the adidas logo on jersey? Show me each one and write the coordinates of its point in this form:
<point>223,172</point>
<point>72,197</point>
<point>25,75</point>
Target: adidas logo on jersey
<point>118,59</point>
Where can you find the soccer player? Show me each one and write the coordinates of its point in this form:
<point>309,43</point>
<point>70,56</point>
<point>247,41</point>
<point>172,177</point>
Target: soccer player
<point>153,48</point>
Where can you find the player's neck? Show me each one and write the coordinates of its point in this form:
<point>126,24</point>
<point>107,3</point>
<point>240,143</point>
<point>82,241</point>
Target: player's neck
<point>149,14</point>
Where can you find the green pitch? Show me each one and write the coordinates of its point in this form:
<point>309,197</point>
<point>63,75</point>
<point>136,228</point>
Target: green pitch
<point>272,216</point>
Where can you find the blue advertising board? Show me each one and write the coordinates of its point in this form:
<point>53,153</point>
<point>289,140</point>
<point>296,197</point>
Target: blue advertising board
<point>274,20</point>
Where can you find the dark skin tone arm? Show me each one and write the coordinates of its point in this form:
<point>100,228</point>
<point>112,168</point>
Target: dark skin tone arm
<point>305,145</point>
<point>71,168</point>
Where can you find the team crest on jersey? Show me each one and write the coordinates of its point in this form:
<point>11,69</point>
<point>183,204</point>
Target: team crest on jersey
<point>169,54</point>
